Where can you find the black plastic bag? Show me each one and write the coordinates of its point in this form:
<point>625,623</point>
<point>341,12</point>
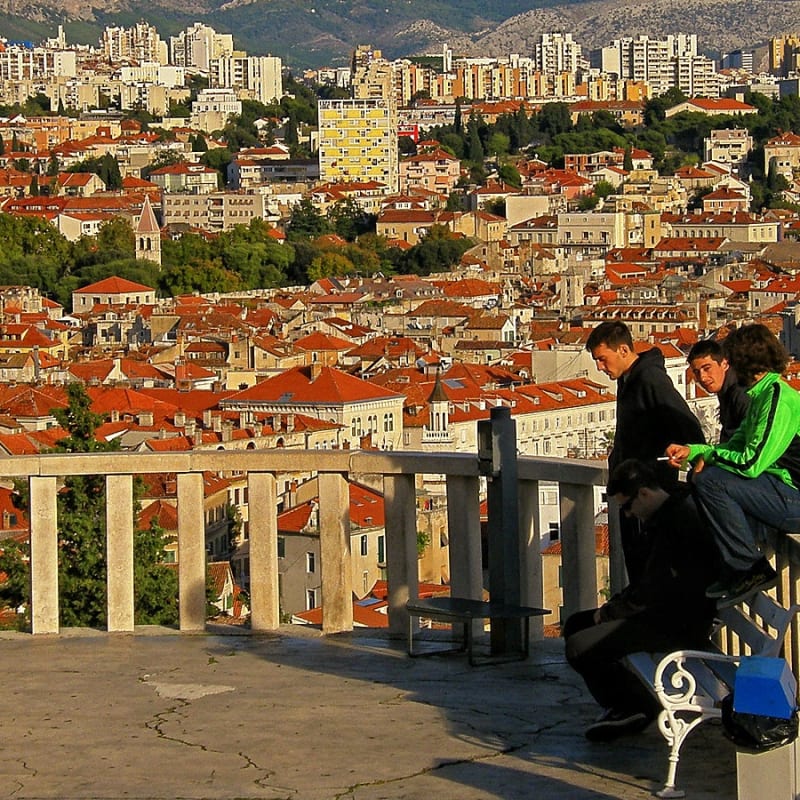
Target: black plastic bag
<point>754,732</point>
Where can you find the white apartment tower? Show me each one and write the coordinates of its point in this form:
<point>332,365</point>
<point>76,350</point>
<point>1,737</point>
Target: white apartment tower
<point>358,141</point>
<point>662,64</point>
<point>555,53</point>
<point>138,43</point>
<point>195,47</point>
<point>259,77</point>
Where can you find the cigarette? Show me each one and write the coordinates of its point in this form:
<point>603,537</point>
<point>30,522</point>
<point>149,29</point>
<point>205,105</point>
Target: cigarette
<point>663,458</point>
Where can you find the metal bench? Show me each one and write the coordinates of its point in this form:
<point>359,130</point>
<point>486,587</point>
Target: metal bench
<point>465,611</point>
<point>691,684</point>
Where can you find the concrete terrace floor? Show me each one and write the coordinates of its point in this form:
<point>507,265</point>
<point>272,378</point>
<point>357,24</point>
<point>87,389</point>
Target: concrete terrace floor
<point>293,714</point>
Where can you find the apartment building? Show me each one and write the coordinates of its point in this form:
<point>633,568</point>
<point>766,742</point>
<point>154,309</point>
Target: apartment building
<point>728,146</point>
<point>196,46</point>
<point>213,107</point>
<point>783,154</point>
<point>358,141</point>
<point>663,63</point>
<point>435,170</point>
<point>139,43</point>
<point>784,54</point>
<point>254,77</point>
<point>23,62</point>
<point>214,211</point>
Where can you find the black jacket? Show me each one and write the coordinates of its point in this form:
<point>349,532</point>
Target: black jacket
<point>733,404</point>
<point>651,414</point>
<point>682,562</point>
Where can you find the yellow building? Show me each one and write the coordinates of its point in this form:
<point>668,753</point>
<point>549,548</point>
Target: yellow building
<point>358,141</point>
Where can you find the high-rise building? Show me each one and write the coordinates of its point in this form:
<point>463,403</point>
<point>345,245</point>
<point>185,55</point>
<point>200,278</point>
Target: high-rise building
<point>557,52</point>
<point>358,141</point>
<point>257,76</point>
<point>195,47</point>
<point>784,54</point>
<point>140,43</point>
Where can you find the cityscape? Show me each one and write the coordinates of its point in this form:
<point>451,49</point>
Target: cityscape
<point>225,255</point>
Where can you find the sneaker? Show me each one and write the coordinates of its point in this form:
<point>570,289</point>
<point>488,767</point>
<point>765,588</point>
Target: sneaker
<point>614,723</point>
<point>739,585</point>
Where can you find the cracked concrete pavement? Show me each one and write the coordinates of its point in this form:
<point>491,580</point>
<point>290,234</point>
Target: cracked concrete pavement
<point>158,715</point>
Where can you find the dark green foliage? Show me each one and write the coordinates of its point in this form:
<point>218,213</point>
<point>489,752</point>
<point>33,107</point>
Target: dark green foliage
<point>306,222</point>
<point>438,251</point>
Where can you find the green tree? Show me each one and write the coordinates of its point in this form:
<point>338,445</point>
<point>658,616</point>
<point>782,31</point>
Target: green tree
<point>109,172</point>
<point>349,220</point>
<point>306,222</point>
<point>81,509</point>
<point>218,158</point>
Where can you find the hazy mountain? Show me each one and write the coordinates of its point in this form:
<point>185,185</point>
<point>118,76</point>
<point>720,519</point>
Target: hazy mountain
<point>315,32</point>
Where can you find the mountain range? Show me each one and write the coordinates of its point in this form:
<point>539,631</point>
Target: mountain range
<point>307,33</point>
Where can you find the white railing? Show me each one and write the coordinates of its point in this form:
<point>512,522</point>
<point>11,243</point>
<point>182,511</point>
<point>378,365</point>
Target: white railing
<point>399,470</point>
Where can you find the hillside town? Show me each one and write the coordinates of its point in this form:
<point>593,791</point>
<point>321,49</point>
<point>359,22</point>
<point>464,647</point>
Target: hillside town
<point>130,161</point>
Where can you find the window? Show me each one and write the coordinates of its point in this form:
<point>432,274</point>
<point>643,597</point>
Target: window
<point>365,581</point>
<point>554,531</point>
<point>311,599</point>
<point>381,549</point>
<point>281,547</point>
<point>364,545</point>
<point>311,562</point>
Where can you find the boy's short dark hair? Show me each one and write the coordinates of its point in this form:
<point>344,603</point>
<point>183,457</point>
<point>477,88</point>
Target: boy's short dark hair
<point>752,349</point>
<point>630,476</point>
<point>611,333</point>
<point>707,348</point>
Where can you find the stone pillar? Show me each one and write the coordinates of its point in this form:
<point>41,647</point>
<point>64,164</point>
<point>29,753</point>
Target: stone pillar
<point>464,535</point>
<point>334,542</point>
<point>402,568</point>
<point>119,551</point>
<point>578,549</point>
<point>775,773</point>
<point>44,555</point>
<point>530,554</point>
<point>191,552</point>
<point>263,524</point>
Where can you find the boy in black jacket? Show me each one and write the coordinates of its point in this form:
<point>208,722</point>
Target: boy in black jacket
<point>665,610</point>
<point>651,414</point>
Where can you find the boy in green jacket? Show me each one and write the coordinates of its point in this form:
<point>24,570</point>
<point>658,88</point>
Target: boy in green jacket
<point>755,477</point>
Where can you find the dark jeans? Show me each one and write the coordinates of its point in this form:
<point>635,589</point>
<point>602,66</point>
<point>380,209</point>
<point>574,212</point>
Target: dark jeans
<point>595,651</point>
<point>733,506</point>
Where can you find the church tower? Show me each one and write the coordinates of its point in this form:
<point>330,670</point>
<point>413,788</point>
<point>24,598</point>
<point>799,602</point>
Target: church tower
<point>148,235</point>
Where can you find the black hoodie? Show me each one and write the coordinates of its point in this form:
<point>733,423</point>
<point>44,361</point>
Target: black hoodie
<point>651,414</point>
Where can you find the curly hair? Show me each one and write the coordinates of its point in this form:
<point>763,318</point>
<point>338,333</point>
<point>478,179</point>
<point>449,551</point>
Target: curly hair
<point>752,349</point>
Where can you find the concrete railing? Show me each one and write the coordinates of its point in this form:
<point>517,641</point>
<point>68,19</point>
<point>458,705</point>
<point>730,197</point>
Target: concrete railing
<point>576,480</point>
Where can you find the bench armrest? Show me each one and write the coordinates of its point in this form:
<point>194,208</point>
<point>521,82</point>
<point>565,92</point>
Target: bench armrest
<point>688,685</point>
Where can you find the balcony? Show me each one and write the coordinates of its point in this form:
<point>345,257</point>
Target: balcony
<point>282,711</point>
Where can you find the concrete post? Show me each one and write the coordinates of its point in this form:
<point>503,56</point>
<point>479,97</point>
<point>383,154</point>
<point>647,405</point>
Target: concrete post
<point>264,600</point>
<point>464,534</point>
<point>119,552</point>
<point>775,773</point>
<point>191,552</point>
<point>497,451</point>
<point>578,559</point>
<point>530,556</point>
<point>334,536</point>
<point>44,555</point>
<point>402,569</point>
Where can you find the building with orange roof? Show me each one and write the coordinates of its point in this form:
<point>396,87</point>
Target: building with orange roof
<point>435,170</point>
<point>712,105</point>
<point>782,153</point>
<point>357,407</point>
<point>113,291</point>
